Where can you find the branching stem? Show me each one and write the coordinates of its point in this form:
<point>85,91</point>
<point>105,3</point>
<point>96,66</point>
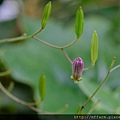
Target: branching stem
<point>15,98</point>
<point>83,106</point>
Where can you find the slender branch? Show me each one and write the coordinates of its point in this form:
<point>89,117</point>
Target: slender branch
<point>34,109</point>
<point>70,44</point>
<point>10,87</point>
<point>21,37</point>
<point>46,43</point>
<point>113,61</point>
<point>5,73</point>
<point>94,106</point>
<point>54,46</point>
<point>92,65</point>
<point>67,56</point>
<point>15,98</point>
<point>15,39</point>
<point>37,32</point>
<point>63,109</point>
<point>118,66</point>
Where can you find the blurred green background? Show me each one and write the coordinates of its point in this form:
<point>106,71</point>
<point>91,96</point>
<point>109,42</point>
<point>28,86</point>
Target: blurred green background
<point>29,59</point>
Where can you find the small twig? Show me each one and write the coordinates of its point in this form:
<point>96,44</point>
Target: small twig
<point>10,87</point>
<point>15,39</point>
<point>54,46</point>
<point>91,110</point>
<point>83,106</point>
<point>67,56</point>
<point>92,65</point>
<point>37,32</point>
<point>63,109</point>
<point>17,99</point>
<point>116,67</point>
<point>5,73</point>
<point>34,109</point>
<point>48,44</point>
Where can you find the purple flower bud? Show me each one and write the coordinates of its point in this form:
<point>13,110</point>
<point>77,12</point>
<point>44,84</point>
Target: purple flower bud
<point>77,68</point>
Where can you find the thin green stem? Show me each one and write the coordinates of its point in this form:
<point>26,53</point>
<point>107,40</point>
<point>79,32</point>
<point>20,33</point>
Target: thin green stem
<point>10,87</point>
<point>70,44</point>
<point>116,67</point>
<point>5,73</point>
<point>113,61</point>
<point>37,32</point>
<point>33,36</point>
<point>46,43</point>
<point>34,109</point>
<point>54,46</point>
<point>21,37</point>
<point>15,39</point>
<point>15,98</point>
<point>63,109</point>
<point>94,106</point>
<point>92,65</point>
<point>66,55</point>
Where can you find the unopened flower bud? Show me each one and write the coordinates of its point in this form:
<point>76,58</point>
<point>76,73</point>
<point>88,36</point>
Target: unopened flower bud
<point>94,48</point>
<point>42,86</point>
<point>79,22</point>
<point>46,14</point>
<point>77,68</point>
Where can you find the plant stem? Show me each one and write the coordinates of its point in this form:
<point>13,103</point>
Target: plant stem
<point>67,56</point>
<point>70,44</point>
<point>92,65</point>
<point>15,98</point>
<point>46,43</point>
<point>91,110</point>
<point>54,46</point>
<point>5,73</point>
<point>15,39</point>
<point>37,32</point>
<point>118,66</point>
<point>112,63</point>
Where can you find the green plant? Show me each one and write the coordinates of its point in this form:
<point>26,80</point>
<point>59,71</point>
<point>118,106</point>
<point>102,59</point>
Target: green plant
<point>78,30</point>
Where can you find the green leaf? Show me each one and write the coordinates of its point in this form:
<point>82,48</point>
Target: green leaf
<point>46,14</point>
<point>79,22</point>
<point>94,48</point>
<point>42,86</point>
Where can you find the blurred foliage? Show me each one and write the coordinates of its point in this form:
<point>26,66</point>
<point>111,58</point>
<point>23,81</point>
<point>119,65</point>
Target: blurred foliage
<point>29,59</point>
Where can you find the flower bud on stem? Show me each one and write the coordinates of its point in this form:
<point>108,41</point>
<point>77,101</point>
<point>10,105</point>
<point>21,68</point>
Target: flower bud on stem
<point>77,68</point>
<point>46,14</point>
<point>42,86</point>
<point>79,22</point>
<point>94,48</point>
<point>111,65</point>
